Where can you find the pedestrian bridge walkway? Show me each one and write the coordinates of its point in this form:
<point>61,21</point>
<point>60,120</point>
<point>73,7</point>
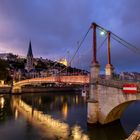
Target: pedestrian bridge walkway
<point>78,80</point>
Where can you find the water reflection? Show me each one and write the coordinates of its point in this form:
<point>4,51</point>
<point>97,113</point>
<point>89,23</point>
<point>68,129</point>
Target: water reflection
<point>72,110</point>
<point>53,127</point>
<point>65,111</point>
<point>113,131</point>
<point>59,106</point>
<point>21,117</point>
<point>45,122</point>
<point>2,102</point>
<point>131,117</point>
<point>5,112</point>
<point>16,114</point>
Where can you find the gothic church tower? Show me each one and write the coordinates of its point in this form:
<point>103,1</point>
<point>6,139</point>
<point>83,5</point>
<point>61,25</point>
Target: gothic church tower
<point>29,64</point>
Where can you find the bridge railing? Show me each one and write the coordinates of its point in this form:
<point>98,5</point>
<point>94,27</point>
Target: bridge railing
<point>111,83</point>
<point>117,83</point>
<point>81,79</point>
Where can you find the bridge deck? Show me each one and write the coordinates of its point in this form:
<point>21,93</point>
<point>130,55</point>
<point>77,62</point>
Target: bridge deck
<point>115,83</point>
<point>80,79</point>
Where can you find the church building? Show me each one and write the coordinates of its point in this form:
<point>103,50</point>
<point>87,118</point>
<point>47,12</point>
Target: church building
<point>30,61</point>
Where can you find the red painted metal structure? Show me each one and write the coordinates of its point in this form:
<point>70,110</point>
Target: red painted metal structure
<point>109,53</point>
<point>94,26</point>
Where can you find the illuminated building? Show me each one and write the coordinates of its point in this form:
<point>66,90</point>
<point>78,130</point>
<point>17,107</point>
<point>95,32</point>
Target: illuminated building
<point>63,61</point>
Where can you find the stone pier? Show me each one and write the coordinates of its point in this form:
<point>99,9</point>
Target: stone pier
<point>92,113</point>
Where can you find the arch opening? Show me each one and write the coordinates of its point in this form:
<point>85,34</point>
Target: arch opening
<point>117,111</point>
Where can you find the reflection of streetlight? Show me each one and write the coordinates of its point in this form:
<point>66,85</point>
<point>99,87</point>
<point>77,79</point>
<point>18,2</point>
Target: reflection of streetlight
<point>2,102</point>
<point>16,114</point>
<point>77,133</point>
<point>77,100</point>
<point>65,110</point>
<point>39,100</point>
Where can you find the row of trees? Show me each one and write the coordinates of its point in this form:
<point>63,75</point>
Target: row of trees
<point>4,71</point>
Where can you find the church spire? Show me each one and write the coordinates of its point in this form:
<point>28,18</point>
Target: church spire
<point>30,53</point>
<point>30,61</point>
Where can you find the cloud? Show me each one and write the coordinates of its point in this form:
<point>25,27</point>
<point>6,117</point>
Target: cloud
<point>55,27</point>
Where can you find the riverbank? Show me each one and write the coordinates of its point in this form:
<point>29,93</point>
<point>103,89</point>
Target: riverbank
<point>135,134</point>
<point>5,89</point>
<point>47,89</point>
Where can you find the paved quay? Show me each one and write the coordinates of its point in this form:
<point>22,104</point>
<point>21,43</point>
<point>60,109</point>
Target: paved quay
<point>135,134</point>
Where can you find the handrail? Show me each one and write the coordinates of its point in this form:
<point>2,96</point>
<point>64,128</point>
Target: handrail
<point>116,83</point>
<point>81,79</point>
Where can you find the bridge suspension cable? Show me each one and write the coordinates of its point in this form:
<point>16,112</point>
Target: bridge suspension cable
<point>126,44</point>
<point>79,46</point>
<point>129,44</point>
<point>102,43</point>
<point>121,41</point>
<point>131,48</point>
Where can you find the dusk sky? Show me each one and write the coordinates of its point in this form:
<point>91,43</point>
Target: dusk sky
<point>55,27</point>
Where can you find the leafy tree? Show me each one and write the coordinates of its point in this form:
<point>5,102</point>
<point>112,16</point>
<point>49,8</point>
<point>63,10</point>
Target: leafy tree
<point>18,64</point>
<point>4,74</point>
<point>41,65</point>
<point>12,57</point>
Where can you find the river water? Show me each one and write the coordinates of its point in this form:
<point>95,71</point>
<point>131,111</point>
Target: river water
<point>68,107</point>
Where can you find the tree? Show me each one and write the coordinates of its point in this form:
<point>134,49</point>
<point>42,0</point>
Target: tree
<point>41,65</point>
<point>4,74</point>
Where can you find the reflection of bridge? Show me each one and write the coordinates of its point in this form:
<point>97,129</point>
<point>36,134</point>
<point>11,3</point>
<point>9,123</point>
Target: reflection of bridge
<point>79,80</point>
<point>53,128</point>
<point>107,100</point>
<point>43,121</point>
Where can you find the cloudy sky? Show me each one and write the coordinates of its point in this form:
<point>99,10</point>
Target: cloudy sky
<point>56,26</point>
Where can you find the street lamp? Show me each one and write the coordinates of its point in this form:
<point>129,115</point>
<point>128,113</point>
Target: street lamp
<point>102,32</point>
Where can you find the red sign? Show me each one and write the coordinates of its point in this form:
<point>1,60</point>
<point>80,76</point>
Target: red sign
<point>130,88</point>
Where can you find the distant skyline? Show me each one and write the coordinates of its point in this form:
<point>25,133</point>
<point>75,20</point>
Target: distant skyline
<point>54,28</point>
